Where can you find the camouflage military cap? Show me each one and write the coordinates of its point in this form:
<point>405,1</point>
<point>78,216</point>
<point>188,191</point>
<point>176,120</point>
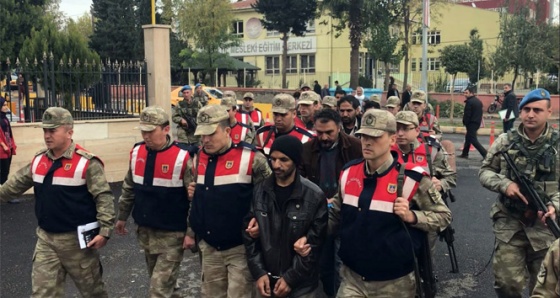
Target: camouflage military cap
<point>152,117</point>
<point>418,96</point>
<point>375,98</point>
<point>228,102</point>
<point>208,119</point>
<point>230,94</point>
<point>407,117</point>
<point>308,98</point>
<point>392,102</point>
<point>283,103</point>
<point>376,122</point>
<point>329,101</point>
<point>56,116</point>
<point>249,95</point>
<point>305,85</point>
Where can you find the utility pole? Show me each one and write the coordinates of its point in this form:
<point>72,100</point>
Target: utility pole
<point>425,25</point>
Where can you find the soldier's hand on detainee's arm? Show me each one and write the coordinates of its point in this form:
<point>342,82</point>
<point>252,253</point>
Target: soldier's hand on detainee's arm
<point>513,191</point>
<point>437,183</point>
<point>188,242</point>
<point>263,285</point>
<point>551,213</point>
<point>282,289</point>
<point>253,228</point>
<point>301,247</point>
<point>402,210</point>
<point>190,190</point>
<point>97,242</point>
<point>120,228</point>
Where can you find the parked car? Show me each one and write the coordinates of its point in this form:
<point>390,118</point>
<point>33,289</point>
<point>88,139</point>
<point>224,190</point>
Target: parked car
<point>459,86</point>
<point>214,95</point>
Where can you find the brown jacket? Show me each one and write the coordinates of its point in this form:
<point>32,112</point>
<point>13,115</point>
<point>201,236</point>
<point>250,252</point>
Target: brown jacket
<point>349,148</point>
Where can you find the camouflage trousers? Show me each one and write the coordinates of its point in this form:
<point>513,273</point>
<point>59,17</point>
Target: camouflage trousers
<point>225,272</point>
<point>513,263</point>
<point>353,286</point>
<point>163,251</point>
<point>59,254</point>
<point>187,137</point>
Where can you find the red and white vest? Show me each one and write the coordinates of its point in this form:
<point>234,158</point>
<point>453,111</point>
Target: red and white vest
<point>302,134</point>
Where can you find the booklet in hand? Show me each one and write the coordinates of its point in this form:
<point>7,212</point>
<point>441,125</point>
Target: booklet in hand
<point>87,232</point>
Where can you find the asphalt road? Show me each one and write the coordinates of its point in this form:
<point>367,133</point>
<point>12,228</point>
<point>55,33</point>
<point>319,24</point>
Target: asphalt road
<point>126,276</point>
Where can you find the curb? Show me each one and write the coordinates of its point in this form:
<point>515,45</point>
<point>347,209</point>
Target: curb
<point>463,130</point>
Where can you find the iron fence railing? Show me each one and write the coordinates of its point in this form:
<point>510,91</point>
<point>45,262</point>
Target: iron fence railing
<point>89,89</point>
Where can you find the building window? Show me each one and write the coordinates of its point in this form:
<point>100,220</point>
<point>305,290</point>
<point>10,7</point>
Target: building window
<point>413,64</point>
<point>310,27</point>
<point>434,64</point>
<point>291,66</point>
<point>307,63</point>
<point>238,28</point>
<point>272,33</point>
<point>273,65</point>
<point>434,37</point>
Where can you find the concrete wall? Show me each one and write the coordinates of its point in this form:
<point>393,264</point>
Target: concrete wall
<point>111,140</point>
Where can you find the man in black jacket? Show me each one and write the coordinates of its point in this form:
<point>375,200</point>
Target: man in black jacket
<point>472,118</point>
<point>510,104</point>
<point>291,212</point>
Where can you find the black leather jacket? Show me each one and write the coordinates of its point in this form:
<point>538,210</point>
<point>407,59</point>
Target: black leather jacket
<point>272,252</point>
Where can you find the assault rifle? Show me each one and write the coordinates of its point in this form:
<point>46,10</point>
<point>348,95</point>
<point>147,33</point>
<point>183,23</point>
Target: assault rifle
<point>191,121</point>
<point>448,235</point>
<point>533,197</point>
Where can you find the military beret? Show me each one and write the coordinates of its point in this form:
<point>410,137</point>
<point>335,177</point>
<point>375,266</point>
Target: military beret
<point>535,95</point>
<point>186,87</point>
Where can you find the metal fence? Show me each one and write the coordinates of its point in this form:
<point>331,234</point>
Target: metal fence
<point>88,89</point>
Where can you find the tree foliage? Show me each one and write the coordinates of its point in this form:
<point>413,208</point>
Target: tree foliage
<point>116,34</point>
<point>455,59</point>
<point>524,46</point>
<point>479,65</point>
<point>208,24</point>
<point>286,16</point>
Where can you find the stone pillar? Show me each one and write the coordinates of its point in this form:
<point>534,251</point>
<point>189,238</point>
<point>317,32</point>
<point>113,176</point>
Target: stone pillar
<point>156,48</point>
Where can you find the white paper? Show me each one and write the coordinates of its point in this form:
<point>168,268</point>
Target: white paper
<point>503,114</point>
<point>84,228</point>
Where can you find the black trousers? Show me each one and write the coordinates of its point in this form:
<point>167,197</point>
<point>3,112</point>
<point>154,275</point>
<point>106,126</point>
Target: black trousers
<point>5,169</point>
<point>471,139</point>
<point>508,125</point>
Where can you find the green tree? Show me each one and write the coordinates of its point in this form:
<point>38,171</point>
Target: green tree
<point>524,46</point>
<point>287,17</point>
<point>207,23</point>
<point>84,25</point>
<point>478,66</point>
<point>67,52</point>
<point>455,59</point>
<point>115,32</point>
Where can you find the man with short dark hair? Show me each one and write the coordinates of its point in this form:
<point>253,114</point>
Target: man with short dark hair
<point>249,112</point>
<point>472,118</point>
<point>339,93</point>
<point>226,174</point>
<point>510,104</point>
<point>287,208</point>
<point>338,87</point>
<point>239,131</point>
<point>325,91</point>
<point>317,88</point>
<point>407,94</point>
<point>348,110</point>
<point>323,160</point>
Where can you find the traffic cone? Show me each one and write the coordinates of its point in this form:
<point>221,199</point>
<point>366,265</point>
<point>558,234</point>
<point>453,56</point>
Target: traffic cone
<point>492,126</point>
<point>21,114</point>
<point>268,121</point>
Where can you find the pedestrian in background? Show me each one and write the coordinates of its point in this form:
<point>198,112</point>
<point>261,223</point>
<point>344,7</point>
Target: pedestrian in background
<point>472,119</point>
<point>154,191</point>
<point>70,190</point>
<point>317,88</point>
<point>510,104</point>
<point>325,91</point>
<point>7,143</point>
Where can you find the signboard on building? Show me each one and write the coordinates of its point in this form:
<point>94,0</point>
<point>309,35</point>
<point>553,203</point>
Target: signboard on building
<point>269,47</point>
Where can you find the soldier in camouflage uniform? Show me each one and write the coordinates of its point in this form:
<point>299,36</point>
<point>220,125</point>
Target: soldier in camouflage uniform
<point>521,236</point>
<point>239,131</point>
<point>155,192</point>
<point>427,120</point>
<point>393,104</point>
<point>187,108</point>
<point>226,173</point>
<point>199,94</point>
<point>70,190</point>
<point>548,280</point>
<point>370,213</point>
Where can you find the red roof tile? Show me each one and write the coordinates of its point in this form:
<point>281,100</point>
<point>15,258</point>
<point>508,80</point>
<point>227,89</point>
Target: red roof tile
<point>243,4</point>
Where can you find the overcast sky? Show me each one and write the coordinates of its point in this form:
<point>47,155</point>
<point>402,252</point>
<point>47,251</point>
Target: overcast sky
<point>75,8</point>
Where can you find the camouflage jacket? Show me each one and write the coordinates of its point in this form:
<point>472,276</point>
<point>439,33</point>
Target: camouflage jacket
<point>96,182</point>
<point>548,280</point>
<point>494,175</point>
<point>202,98</point>
<point>183,110</point>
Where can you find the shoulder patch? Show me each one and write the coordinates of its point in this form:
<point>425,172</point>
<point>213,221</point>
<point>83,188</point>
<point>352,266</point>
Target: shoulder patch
<point>85,154</point>
<point>352,163</point>
<point>41,151</point>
